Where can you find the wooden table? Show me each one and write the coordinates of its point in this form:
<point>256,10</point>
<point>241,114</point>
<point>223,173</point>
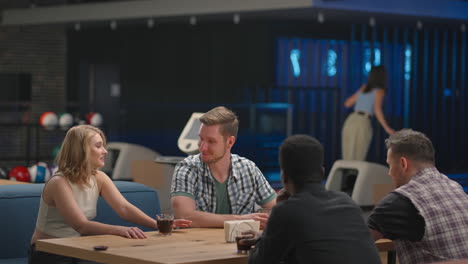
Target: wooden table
<point>8,182</point>
<point>184,246</point>
<point>194,246</point>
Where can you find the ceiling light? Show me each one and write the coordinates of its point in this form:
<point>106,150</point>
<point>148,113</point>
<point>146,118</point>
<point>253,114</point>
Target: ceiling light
<point>193,20</point>
<point>320,17</point>
<point>236,18</point>
<point>419,24</point>
<point>150,23</point>
<point>113,25</point>
<point>372,22</point>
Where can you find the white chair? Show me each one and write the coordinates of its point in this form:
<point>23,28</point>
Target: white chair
<point>120,156</point>
<point>367,174</point>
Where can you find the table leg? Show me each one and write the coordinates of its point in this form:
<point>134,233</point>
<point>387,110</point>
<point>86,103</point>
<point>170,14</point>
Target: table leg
<point>391,257</point>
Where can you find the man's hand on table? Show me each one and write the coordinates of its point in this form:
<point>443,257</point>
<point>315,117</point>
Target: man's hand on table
<point>182,223</point>
<point>261,217</point>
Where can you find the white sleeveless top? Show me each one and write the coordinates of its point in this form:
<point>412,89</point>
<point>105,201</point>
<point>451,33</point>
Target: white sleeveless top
<point>51,222</point>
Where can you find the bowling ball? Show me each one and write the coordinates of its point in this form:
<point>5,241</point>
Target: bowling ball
<point>94,119</point>
<point>3,173</point>
<point>53,169</point>
<point>19,173</point>
<point>48,120</point>
<point>39,172</point>
<point>65,121</point>
<point>56,151</point>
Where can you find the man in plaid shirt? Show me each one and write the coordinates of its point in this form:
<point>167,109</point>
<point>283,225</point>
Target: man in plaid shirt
<point>427,215</point>
<point>215,185</point>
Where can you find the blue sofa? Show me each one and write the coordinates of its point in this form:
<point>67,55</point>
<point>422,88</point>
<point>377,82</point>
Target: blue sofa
<point>19,205</point>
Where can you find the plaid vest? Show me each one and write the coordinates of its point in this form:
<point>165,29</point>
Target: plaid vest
<point>444,206</point>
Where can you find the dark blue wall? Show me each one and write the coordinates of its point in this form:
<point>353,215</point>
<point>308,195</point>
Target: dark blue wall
<point>173,70</point>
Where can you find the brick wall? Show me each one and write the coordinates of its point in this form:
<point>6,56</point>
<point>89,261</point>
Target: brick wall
<point>41,51</point>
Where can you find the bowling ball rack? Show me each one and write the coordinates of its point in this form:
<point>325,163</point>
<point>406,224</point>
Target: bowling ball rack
<point>27,144</point>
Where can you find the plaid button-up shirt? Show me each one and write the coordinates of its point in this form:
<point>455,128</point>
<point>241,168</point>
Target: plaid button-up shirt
<point>444,206</point>
<point>246,185</point>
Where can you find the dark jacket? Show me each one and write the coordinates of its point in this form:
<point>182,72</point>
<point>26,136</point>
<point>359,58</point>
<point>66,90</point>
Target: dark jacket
<point>316,226</point>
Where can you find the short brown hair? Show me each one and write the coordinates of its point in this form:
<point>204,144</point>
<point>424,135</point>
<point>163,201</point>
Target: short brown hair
<point>412,144</point>
<point>72,159</point>
<point>227,119</point>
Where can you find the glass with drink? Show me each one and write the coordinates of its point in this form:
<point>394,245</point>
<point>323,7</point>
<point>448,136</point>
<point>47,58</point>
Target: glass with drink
<point>245,242</point>
<point>165,223</point>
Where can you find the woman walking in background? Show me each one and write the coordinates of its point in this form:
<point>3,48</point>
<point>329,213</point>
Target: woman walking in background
<point>367,101</point>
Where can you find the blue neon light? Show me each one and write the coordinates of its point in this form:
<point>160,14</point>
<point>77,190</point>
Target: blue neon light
<point>407,63</point>
<point>331,63</point>
<point>294,56</point>
<point>376,57</point>
<point>367,59</point>
<point>447,92</point>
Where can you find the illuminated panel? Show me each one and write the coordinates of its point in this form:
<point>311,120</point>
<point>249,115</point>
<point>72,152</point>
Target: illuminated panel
<point>294,56</point>
<point>331,63</point>
<point>407,65</point>
<point>367,59</point>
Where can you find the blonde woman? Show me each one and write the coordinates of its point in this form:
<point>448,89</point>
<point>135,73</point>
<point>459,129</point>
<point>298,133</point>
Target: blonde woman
<point>69,198</point>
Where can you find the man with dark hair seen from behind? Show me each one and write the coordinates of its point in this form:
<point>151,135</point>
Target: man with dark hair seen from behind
<point>215,185</point>
<point>314,225</point>
<point>427,215</point>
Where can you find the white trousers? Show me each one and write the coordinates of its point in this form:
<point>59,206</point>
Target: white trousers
<point>356,137</point>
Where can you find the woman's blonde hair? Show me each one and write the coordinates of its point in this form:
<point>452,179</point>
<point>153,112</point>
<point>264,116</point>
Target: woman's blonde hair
<point>72,160</point>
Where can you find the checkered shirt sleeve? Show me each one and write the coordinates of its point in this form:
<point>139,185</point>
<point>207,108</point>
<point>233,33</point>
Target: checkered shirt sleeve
<point>185,177</point>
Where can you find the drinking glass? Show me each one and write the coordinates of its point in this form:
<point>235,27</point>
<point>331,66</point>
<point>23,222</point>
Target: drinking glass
<point>165,223</point>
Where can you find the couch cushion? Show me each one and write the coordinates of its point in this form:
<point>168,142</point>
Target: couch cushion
<point>143,197</point>
<point>19,205</point>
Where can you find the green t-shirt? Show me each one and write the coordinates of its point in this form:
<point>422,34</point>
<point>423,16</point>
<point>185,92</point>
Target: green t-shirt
<point>222,199</point>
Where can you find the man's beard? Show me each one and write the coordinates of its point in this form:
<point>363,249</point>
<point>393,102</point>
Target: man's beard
<point>216,158</point>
